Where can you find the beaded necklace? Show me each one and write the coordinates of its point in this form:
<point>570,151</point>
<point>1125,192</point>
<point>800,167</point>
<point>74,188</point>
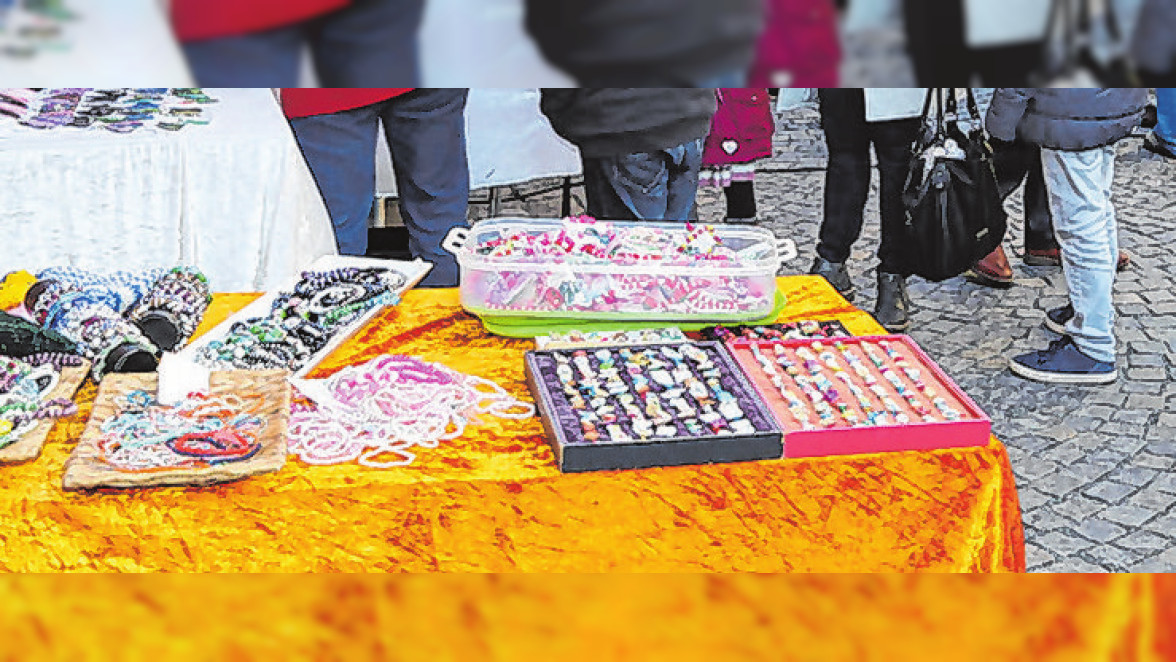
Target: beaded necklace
<point>204,431</point>
<point>390,405</point>
<point>302,322</point>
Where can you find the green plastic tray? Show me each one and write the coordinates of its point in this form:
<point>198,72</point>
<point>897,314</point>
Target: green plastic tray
<point>529,327</point>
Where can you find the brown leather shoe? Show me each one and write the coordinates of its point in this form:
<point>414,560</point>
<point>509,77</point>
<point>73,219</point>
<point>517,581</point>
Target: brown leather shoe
<point>1052,257</point>
<point>992,271</point>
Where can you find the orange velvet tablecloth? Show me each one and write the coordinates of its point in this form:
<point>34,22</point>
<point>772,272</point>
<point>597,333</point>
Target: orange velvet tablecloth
<point>494,500</point>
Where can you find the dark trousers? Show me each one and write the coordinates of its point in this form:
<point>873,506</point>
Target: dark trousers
<point>936,43</point>
<point>1018,162</point>
<point>847,176</point>
<point>426,134</point>
<point>371,43</point>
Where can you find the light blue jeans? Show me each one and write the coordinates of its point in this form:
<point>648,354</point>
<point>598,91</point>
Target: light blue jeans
<point>1166,112</point>
<point>1079,185</point>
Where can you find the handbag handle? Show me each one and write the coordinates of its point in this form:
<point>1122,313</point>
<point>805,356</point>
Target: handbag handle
<point>935,94</point>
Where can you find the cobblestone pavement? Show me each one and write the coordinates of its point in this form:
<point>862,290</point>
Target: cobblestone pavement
<point>1095,466</point>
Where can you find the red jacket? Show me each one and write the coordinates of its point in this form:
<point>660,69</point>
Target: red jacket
<point>741,131</point>
<point>304,101</point>
<point>207,19</point>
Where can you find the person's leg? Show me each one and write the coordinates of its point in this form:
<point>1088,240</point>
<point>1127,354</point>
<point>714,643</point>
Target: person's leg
<point>1166,116</point>
<point>847,175</point>
<point>682,183</point>
<point>892,143</point>
<point>372,43</point>
<point>1084,219</point>
<point>262,59</point>
<point>847,184</point>
<point>340,150</point>
<point>935,41</point>
<point>633,187</point>
<point>1039,230</point>
<point>741,204</point>
<point>427,138</point>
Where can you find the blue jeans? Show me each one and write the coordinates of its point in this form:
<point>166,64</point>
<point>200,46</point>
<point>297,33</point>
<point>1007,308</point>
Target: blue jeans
<point>647,186</point>
<point>372,43</point>
<point>1079,185</point>
<point>1166,111</point>
<point>426,134</point>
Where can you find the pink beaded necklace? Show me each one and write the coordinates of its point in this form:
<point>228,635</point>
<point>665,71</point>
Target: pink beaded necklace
<point>390,405</point>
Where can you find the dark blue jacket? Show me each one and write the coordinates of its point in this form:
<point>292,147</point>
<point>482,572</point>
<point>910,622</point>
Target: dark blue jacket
<point>1072,119</point>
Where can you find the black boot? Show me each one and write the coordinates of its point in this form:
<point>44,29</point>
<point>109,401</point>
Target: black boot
<point>894,304</point>
<point>837,275</point>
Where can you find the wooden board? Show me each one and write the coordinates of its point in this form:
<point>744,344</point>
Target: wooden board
<point>29,446</point>
<point>86,468</point>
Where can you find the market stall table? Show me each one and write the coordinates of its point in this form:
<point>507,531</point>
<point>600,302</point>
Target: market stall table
<point>234,197</point>
<point>494,501</point>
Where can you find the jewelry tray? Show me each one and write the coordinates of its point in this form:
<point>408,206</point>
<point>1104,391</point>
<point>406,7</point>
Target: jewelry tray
<point>574,455</point>
<point>413,273</point>
<point>973,429</point>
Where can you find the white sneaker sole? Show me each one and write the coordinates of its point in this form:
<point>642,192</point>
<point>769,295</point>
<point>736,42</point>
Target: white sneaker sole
<point>1059,329</point>
<point>1061,377</point>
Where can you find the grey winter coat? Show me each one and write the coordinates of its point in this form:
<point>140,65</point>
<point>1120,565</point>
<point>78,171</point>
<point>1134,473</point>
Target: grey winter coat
<point>1072,119</point>
<point>1154,44</point>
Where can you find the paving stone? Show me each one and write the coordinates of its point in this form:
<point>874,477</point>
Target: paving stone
<point>1100,531</point>
<point>1129,515</point>
<point>1110,491</point>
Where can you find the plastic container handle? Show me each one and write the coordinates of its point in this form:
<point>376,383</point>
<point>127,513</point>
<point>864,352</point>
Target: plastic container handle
<point>456,240</point>
<point>787,250</point>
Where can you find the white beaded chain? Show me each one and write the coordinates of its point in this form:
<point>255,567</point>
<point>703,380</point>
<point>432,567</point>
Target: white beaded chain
<point>390,405</point>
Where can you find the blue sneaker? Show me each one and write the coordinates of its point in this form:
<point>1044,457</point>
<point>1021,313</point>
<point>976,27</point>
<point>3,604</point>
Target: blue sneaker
<point>1063,363</point>
<point>1057,319</point>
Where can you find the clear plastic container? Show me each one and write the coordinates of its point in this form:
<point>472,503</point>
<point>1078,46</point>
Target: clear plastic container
<point>686,287</point>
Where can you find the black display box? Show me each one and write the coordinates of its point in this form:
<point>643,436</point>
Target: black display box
<point>574,455</point>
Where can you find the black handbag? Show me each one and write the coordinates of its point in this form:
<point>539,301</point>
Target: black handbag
<point>954,212</point>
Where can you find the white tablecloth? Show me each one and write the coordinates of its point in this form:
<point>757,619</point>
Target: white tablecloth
<point>509,141</point>
<point>113,43</point>
<point>234,198</point>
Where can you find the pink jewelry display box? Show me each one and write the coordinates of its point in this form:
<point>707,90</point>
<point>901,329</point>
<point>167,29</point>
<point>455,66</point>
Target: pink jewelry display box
<point>973,428</point>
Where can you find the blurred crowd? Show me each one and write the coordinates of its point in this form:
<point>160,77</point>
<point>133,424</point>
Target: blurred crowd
<point>597,43</point>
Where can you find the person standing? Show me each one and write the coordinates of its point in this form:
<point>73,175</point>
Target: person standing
<point>337,130</point>
<point>740,134</point>
<point>261,43</point>
<point>854,120</point>
<point>1076,129</point>
<point>641,148</point>
<point>648,43</point>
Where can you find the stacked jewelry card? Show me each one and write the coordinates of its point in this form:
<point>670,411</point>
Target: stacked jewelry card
<point>297,327</point>
<point>657,336</point>
<point>238,429</point>
<point>783,331</point>
<point>660,405</point>
<point>860,395</point>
